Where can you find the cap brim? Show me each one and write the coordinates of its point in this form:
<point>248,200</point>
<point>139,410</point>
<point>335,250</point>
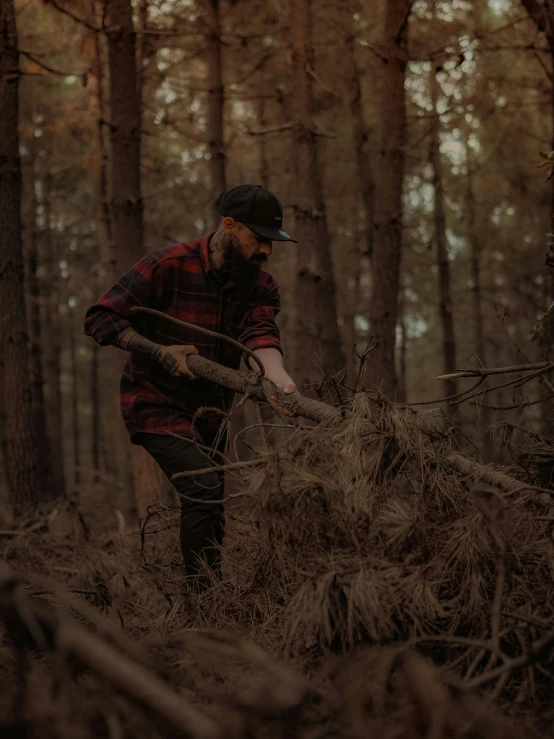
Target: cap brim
<point>273,234</point>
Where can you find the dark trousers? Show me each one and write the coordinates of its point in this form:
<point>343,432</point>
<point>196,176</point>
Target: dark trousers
<point>202,523</point>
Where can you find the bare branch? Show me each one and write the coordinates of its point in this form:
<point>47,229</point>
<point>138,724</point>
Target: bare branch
<point>484,372</point>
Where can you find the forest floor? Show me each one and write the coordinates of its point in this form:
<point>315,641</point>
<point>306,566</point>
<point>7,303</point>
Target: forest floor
<point>369,589</point>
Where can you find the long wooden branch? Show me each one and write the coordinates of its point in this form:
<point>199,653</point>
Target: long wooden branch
<point>30,622</point>
<point>261,389</point>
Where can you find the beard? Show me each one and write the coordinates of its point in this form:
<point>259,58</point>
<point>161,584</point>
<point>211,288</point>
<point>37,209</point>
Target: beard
<point>242,271</point>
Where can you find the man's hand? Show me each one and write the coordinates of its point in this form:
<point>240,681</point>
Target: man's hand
<point>287,385</point>
<point>174,359</point>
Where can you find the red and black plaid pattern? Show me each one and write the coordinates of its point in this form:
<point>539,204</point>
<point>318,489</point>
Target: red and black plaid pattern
<point>180,281</point>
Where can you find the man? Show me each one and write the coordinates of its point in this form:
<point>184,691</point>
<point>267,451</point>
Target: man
<point>217,283</point>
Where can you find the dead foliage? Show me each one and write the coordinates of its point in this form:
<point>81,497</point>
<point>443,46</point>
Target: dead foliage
<point>369,588</point>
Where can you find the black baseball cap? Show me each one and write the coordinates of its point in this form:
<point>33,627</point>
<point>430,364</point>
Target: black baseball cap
<point>257,208</point>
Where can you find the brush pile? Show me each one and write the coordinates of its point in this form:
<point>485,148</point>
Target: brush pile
<point>369,588</point>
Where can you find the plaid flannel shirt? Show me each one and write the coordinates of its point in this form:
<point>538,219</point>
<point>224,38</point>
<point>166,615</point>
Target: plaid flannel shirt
<point>180,281</point>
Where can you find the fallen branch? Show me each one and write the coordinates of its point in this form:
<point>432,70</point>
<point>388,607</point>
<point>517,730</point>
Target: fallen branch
<point>536,653</point>
<point>262,389</point>
<point>31,623</point>
<point>484,372</point>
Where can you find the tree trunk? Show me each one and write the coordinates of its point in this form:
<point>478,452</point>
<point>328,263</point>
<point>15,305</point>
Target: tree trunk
<point>216,102</point>
<point>317,328</point>
<point>402,392</point>
<point>360,135</point>
<point>443,263</point>
<point>125,195</point>
<point>24,486</point>
<point>51,330</point>
<point>485,415</point>
<point>387,237</point>
<point>127,230</point>
<point>75,402</point>
<point>45,459</point>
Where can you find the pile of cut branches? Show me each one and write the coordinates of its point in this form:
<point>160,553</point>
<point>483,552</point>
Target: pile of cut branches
<point>385,577</point>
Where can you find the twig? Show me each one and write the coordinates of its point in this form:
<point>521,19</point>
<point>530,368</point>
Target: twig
<point>207,470</point>
<point>363,357</point>
<point>449,398</point>
<point>484,372</point>
<point>526,619</point>
<point>76,18</point>
<point>535,653</point>
<point>206,332</point>
<point>523,404</point>
<point>269,129</point>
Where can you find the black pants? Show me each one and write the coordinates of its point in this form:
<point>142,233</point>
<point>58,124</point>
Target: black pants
<point>202,524</point>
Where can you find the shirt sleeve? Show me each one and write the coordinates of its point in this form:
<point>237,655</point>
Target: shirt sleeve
<point>140,286</point>
<point>261,331</point>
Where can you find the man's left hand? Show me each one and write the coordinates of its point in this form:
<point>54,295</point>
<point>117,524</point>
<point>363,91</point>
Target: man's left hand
<point>287,385</point>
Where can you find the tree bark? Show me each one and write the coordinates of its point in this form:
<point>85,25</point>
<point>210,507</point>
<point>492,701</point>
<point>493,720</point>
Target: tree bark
<point>360,136</point>
<point>125,195</point>
<point>216,103</point>
<point>149,482</point>
<point>402,391</point>
<point>24,486</point>
<point>75,403</point>
<point>443,263</point>
<point>51,329</point>
<point>45,459</point>
<point>485,415</point>
<point>542,14</point>
<point>387,237</point>
<point>317,331</point>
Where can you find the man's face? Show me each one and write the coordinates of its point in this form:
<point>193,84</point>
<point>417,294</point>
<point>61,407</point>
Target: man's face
<point>244,255</point>
<point>253,248</point>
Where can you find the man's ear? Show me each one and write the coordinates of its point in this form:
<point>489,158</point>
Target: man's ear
<point>228,224</point>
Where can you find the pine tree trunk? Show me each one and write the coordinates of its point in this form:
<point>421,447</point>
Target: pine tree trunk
<point>317,328</point>
<point>75,404</point>
<point>443,263</point>
<point>402,391</point>
<point>485,415</point>
<point>360,135</point>
<point>45,458</point>
<point>387,237</point>
<point>216,102</point>
<point>125,194</point>
<point>51,331</point>
<point>24,486</point>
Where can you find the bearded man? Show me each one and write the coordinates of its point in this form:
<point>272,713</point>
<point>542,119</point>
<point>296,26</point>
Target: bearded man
<point>216,283</point>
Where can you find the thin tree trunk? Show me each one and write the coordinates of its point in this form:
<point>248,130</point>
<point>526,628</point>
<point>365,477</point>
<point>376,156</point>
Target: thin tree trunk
<point>40,425</point>
<point>485,415</point>
<point>103,246</point>
<point>360,136</point>
<point>317,328</point>
<point>262,121</point>
<point>75,403</point>
<point>51,330</point>
<point>125,195</point>
<point>443,263</point>
<point>387,241</point>
<point>216,102</point>
<point>24,486</point>
<point>402,393</point>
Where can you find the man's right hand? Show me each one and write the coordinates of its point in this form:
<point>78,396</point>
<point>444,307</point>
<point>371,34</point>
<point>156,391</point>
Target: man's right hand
<point>174,359</point>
